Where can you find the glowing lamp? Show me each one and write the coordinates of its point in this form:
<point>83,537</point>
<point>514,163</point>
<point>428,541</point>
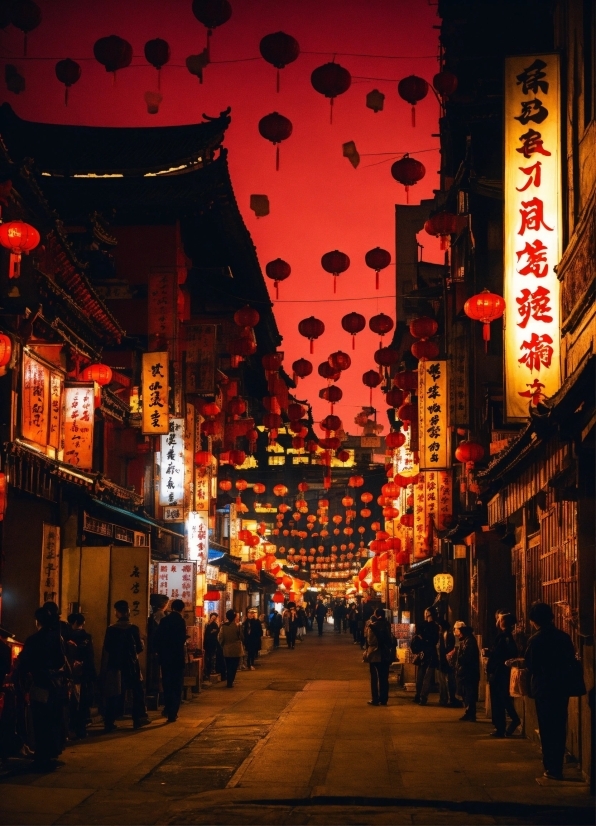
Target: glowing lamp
<point>443,583</point>
<point>485,307</point>
<point>19,238</point>
<point>99,373</point>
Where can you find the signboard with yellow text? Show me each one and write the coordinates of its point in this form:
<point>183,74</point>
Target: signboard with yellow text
<point>156,419</point>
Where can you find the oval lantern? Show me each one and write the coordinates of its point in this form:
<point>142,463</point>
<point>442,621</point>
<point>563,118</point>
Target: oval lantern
<point>443,583</point>
<point>441,224</point>
<point>407,412</point>
<point>385,356</point>
<point>406,380</point>
<point>381,324</point>
<point>203,458</point>
<point>340,361</point>
<point>19,238</point>
<point>445,83</point>
<point>424,350</point>
<point>371,379</point>
<point>335,262</point>
<point>353,323</point>
<point>377,259</point>
<point>212,596</point>
<point>485,307</point>
<point>280,490</point>
<point>113,53</point>
<point>311,328</point>
<point>277,270</point>
<point>68,72</point>
<point>331,423</point>
<point>278,597</point>
<point>302,368</point>
<point>279,49</point>
<point>26,16</point>
<point>423,327</point>
<point>394,397</point>
<point>225,485</point>
<point>469,452</point>
<point>275,128</point>
<point>157,53</point>
<point>246,317</point>
<point>237,457</point>
<point>343,456</point>
<point>272,361</point>
<point>331,80</point>
<point>394,440</point>
<point>99,373</point>
<point>412,89</point>
<point>5,349</point>
<point>211,13</point>
<point>327,371</point>
<point>295,411</point>
<point>408,171</point>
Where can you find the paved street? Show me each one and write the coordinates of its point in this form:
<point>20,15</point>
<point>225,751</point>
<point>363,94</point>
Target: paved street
<point>295,742</point>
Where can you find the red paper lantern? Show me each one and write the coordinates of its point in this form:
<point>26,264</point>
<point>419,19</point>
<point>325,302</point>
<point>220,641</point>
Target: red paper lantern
<point>5,349</point>
<point>212,596</point>
<point>371,379</point>
<point>377,259</point>
<point>203,458</point>
<point>407,520</point>
<point>330,443</point>
<point>26,16</point>
<point>209,409</point>
<point>259,488</point>
<point>246,317</point>
<point>275,128</point>
<point>445,83</point>
<point>412,89</point>
<point>157,53</point>
<point>424,349</point>
<point>353,323</point>
<point>408,171</point>
<point>278,270</point>
<point>356,481</point>
<point>211,13</point>
<point>99,373</point>
<point>295,411</point>
<point>243,346</point>
<point>331,423</point>
<point>331,394</point>
<point>381,324</point>
<point>68,72</point>
<point>19,238</point>
<point>272,361</point>
<point>279,49</point>
<point>278,597</point>
<point>441,224</point>
<point>113,53</point>
<point>272,421</point>
<point>311,328</point>
<point>407,412</point>
<point>469,452</point>
<point>394,440</point>
<point>302,368</point>
<point>298,442</point>
<point>237,457</point>
<point>280,490</point>
<point>225,485</point>
<point>343,455</point>
<point>394,397</point>
<point>423,327</point>
<point>331,80</point>
<point>236,406</point>
<point>385,356</point>
<point>390,490</point>
<point>335,263</point>
<point>389,512</point>
<point>339,361</point>
<point>366,497</point>
<point>406,380</point>
<point>485,307</point>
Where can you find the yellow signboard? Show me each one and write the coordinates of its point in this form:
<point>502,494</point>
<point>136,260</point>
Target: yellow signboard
<point>35,409</point>
<point>433,409</point>
<point>156,418</point>
<point>532,231</point>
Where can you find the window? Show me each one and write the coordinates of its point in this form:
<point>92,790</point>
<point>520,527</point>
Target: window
<point>277,460</point>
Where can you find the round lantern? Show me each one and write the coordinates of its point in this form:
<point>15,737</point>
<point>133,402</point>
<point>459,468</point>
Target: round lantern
<point>99,373</point>
<point>443,583</point>
<point>381,324</point>
<point>394,397</point>
<point>353,323</point>
<point>371,379</point>
<point>237,457</point>
<point>272,421</point>
<point>212,596</point>
<point>295,411</point>
<point>343,456</point>
<point>412,89</point>
<point>311,328</point>
<point>113,53</point>
<point>441,224</point>
<point>331,423</point>
<point>302,368</point>
<point>356,481</point>
<point>275,128</point>
<point>68,72</point>
<point>19,238</point>
<point>278,597</point>
<point>211,13</point>
<point>203,458</point>
<point>340,361</point>
<point>406,380</point>
<point>26,16</point>
<point>272,361</point>
<point>485,307</point>
<point>5,349</point>
<point>445,83</point>
<point>331,394</point>
<point>243,347</point>
<point>407,520</point>
<point>236,406</point>
<point>423,327</point>
<point>366,497</point>
<point>385,356</point>
<point>280,490</point>
<point>259,488</point>
<point>278,270</point>
<point>377,259</point>
<point>407,412</point>
<point>335,262</point>
<point>331,80</point>
<point>424,350</point>
<point>279,49</point>
<point>327,371</point>
<point>469,452</point>
<point>246,317</point>
<point>298,443</point>
<point>394,440</point>
<point>390,490</point>
<point>225,485</point>
<point>157,53</point>
<point>408,171</point>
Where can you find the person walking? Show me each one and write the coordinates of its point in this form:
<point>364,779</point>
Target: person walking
<point>467,669</point>
<point>231,640</point>
<point>79,653</point>
<point>276,623</point>
<point>291,626</point>
<point>320,615</point>
<point>445,672</point>
<point>379,654</point>
<point>498,673</point>
<point>429,658</point>
<point>555,675</point>
<point>253,631</point>
<point>302,623</point>
<point>121,669</point>
<point>170,643</point>
<point>211,643</point>
<point>337,618</point>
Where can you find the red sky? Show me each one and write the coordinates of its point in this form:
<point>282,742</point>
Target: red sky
<point>318,201</point>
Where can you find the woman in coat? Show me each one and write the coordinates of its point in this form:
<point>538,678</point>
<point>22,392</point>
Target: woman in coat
<point>291,626</point>
<point>379,656</point>
<point>253,631</point>
<point>501,702</point>
<point>429,639</point>
<point>467,669</point>
<point>231,638</point>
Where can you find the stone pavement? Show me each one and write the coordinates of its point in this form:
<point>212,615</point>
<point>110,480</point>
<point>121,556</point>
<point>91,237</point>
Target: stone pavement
<point>295,743</point>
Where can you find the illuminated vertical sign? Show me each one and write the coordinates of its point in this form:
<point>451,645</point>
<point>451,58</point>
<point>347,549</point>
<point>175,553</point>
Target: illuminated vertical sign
<point>171,479</point>
<point>432,507</point>
<point>189,456</point>
<point>532,231</point>
<point>156,418</point>
<point>56,390</point>
<point>35,403</point>
<point>433,408</point>
<point>79,411</point>
<point>197,538</point>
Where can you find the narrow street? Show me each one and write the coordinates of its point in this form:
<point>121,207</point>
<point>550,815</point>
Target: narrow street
<point>295,742</point>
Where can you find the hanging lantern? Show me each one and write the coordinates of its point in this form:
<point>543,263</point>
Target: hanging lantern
<point>212,596</point>
<point>394,440</point>
<point>275,128</point>
<point>236,406</point>
<point>469,452</point>
<point>443,583</point>
<point>246,317</point>
<point>353,323</point>
<point>157,53</point>
<point>311,328</point>
<point>381,324</point>
<point>113,53</point>
<point>68,72</point>
<point>243,347</point>
<point>278,270</point>
<point>26,16</point>
<point>225,485</point>
<point>259,488</point>
<point>371,379</point>
<point>356,481</point>
<point>484,307</point>
<point>327,372</point>
<point>394,397</point>
<point>366,497</point>
<point>408,171</point>
<point>237,458</point>
<point>412,89</point>
<point>407,520</point>
<point>272,361</point>
<point>331,423</point>
<point>339,361</point>
<point>407,413</point>
<point>441,224</point>
<point>5,350</point>
<point>281,490</point>
<point>19,238</point>
<point>406,380</point>
<point>386,356</point>
<point>331,80</point>
<point>211,13</point>
<point>343,456</point>
<point>424,349</point>
<point>423,327</point>
<point>203,458</point>
<point>331,394</point>
<point>445,83</point>
<point>377,259</point>
<point>295,411</point>
<point>278,597</point>
<point>99,373</point>
<point>301,368</point>
<point>279,49</point>
<point>335,262</point>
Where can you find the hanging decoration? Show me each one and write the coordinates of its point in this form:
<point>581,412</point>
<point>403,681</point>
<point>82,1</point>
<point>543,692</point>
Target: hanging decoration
<point>408,171</point>
<point>275,128</point>
<point>331,394</point>
<point>353,323</point>
<point>381,324</point>
<point>246,317</point>
<point>394,397</point>
<point>311,328</point>
<point>26,16</point>
<point>99,373</point>
<point>445,83</point>
<point>441,224</point>
<point>331,80</point>
<point>19,238</point>
<point>469,452</point>
<point>375,100</point>
<point>68,72</point>
<point>339,361</point>
<point>301,368</point>
<point>371,379</point>
<point>424,349</point>
<point>157,53</point>
<point>195,63</point>
<point>406,380</point>
<point>326,371</point>
<point>377,259</point>
<point>211,13</point>
<point>113,53</point>
<point>279,49</point>
<point>335,262</point>
<point>278,270</point>
<point>412,89</point>
<point>485,307</point>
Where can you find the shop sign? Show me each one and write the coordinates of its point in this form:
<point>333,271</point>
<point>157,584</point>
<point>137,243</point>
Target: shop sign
<point>35,404</point>
<point>202,489</point>
<point>197,538</point>
<point>93,525</point>
<point>162,292</point>
<point>175,514</point>
<point>155,387</point>
<point>50,564</point>
<point>177,580</point>
<point>211,572</point>
<point>433,407</point>
<point>79,413</point>
<point>56,396</point>
<point>533,201</point>
<point>432,505</point>
<point>200,358</point>
<point>171,479</point>
<point>189,456</point>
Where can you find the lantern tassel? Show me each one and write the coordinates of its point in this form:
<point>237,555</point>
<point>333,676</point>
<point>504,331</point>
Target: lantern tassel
<point>377,279</point>
<point>277,158</point>
<point>312,345</point>
<point>407,194</point>
<point>277,289</point>
<point>159,80</point>
<point>331,111</point>
<point>413,115</point>
<point>353,342</point>
<point>486,335</point>
<point>66,95</point>
<point>334,284</point>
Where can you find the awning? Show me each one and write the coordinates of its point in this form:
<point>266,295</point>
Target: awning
<point>136,517</point>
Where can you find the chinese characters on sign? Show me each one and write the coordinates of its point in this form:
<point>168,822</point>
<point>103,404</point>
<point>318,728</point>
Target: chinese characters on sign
<point>532,230</point>
<point>433,407</point>
<point>189,454</point>
<point>78,425</point>
<point>36,390</point>
<point>177,580</point>
<point>56,390</point>
<point>200,358</point>
<point>432,506</point>
<point>163,290</point>
<point>197,538</point>
<point>49,584</point>
<point>171,482</point>
<point>156,418</point>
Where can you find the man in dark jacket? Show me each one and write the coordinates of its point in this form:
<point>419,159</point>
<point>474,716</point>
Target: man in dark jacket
<point>549,658</point>
<point>79,652</point>
<point>170,641</point>
<point>320,614</point>
<point>501,702</point>
<point>429,634</point>
<point>276,623</point>
<point>253,631</point>
<point>445,672</point>
<point>467,669</point>
<point>379,655</point>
